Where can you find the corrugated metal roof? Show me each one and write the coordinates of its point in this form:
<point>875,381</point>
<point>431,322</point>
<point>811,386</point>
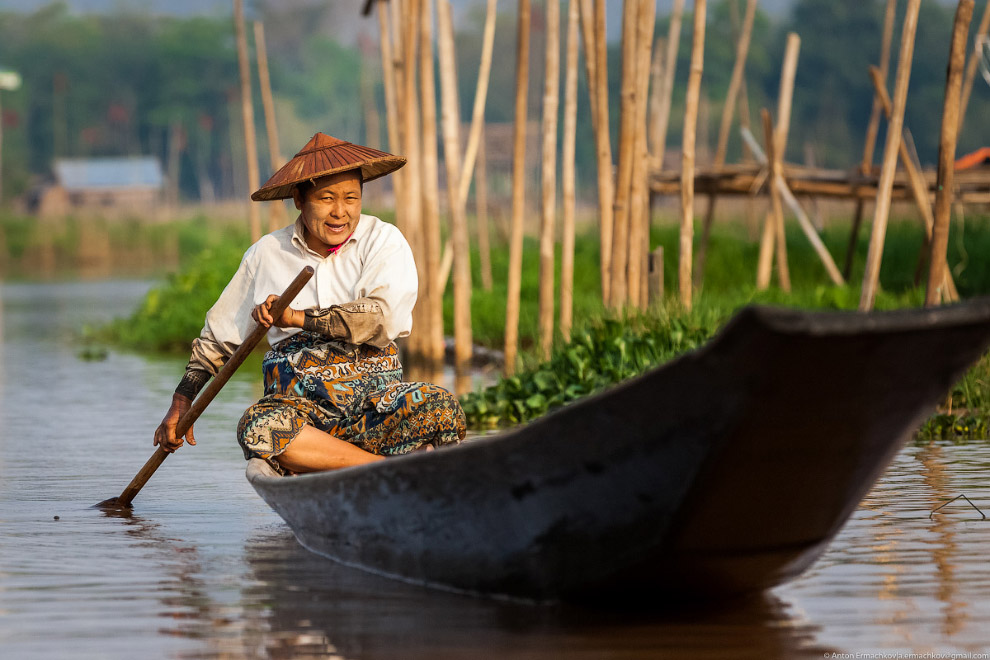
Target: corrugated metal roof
<point>141,172</point>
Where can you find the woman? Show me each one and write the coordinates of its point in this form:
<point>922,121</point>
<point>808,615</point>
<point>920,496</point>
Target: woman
<point>333,390</point>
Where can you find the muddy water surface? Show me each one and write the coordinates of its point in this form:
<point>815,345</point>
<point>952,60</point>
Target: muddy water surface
<point>203,569</point>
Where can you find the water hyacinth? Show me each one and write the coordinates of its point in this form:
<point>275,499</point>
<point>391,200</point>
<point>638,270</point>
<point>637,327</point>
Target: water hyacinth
<point>600,354</point>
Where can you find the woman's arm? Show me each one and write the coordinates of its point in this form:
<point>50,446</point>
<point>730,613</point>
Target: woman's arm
<point>358,322</point>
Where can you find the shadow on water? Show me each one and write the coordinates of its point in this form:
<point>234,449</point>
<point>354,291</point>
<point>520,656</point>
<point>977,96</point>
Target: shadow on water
<point>306,605</point>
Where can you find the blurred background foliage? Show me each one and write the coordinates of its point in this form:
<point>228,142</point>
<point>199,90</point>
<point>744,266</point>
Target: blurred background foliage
<point>113,83</point>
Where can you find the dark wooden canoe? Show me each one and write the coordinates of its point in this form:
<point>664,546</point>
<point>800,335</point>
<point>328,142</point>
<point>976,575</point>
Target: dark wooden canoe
<point>727,470</point>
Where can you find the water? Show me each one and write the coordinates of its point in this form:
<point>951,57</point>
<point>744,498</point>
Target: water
<point>203,569</point>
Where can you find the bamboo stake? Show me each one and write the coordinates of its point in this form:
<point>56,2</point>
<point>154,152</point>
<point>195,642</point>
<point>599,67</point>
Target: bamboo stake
<point>687,157</point>
<point>777,210</point>
<point>728,110</point>
<point>919,189</point>
<point>548,198</point>
<point>974,59</point>
<point>601,84</point>
<point>276,211</point>
<point>639,230</point>
<point>918,186</point>
<point>518,189</point>
<point>947,154</point>
<point>567,173</point>
<point>784,98</point>
<point>670,64</point>
<point>872,129</point>
<point>885,185</point>
<point>391,103</point>
<point>743,96</point>
<point>481,203</point>
<point>411,217</point>
<point>595,59</point>
<point>769,232</point>
<point>247,112</point>
<point>366,90</point>
<point>399,75</point>
<point>619,290</point>
<point>784,102</point>
<point>451,120</point>
<point>587,14</point>
<point>735,83</point>
<point>788,198</point>
<point>430,296</point>
<point>764,263</point>
<point>656,90</point>
<point>388,80</point>
<point>480,98</point>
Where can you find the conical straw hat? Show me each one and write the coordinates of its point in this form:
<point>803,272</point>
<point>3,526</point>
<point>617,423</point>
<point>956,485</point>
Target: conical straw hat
<point>324,155</point>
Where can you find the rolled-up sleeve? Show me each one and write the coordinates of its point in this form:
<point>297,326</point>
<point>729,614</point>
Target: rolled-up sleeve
<point>228,322</point>
<point>389,278</point>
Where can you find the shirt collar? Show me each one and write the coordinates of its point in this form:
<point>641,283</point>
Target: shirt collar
<point>299,236</point>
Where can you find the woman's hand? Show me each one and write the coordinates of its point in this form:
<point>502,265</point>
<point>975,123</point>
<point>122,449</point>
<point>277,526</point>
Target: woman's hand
<point>165,433</point>
<point>291,318</point>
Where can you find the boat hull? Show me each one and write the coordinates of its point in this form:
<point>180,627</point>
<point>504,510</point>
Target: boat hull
<point>727,470</point>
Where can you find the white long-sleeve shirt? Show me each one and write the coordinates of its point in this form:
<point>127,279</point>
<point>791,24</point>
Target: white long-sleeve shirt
<point>375,263</point>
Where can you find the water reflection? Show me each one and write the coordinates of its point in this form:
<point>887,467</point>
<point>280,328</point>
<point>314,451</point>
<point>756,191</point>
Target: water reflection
<point>306,605</point>
<point>944,544</point>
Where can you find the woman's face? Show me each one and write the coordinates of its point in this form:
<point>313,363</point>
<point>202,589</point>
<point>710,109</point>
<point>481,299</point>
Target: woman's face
<point>330,210</point>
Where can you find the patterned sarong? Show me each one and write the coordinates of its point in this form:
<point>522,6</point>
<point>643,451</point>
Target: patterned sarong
<point>354,393</point>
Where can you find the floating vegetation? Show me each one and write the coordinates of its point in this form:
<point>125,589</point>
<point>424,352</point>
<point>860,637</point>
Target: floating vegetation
<point>602,353</point>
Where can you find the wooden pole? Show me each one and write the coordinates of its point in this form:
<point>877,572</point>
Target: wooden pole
<point>917,182</point>
<point>209,392</point>
<point>431,295</point>
<point>777,209</point>
<point>605,149</point>
<point>388,82</point>
<point>619,290</point>
<point>595,59</point>
<point>451,120</point>
<point>639,227</point>
<point>481,204</point>
<point>567,173</point>
<point>247,112</point>
<point>919,187</point>
<point>410,220</point>
<point>728,111</point>
<point>687,157</point>
<point>974,60</point>
<point>669,66</point>
<point>947,153</point>
<point>784,98</point>
<point>787,197</point>
<point>480,99</point>
<point>518,189</point>
<point>735,83</point>
<point>871,277</point>
<point>871,132</point>
<point>276,210</point>
<point>548,198</point>
<point>784,103</point>
<point>656,90</point>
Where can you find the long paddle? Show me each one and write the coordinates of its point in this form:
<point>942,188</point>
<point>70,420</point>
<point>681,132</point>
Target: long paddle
<point>208,393</point>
